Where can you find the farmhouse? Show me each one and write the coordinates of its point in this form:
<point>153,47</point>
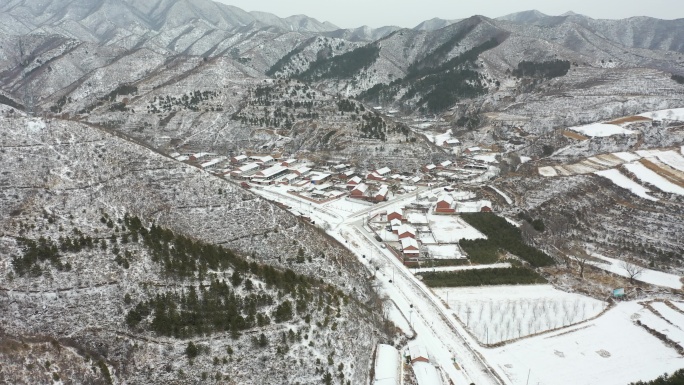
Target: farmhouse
<point>319,178</point>
<point>418,353</point>
<point>263,160</point>
<point>395,214</point>
<point>429,167</point>
<point>359,191</point>
<point>271,172</point>
<point>288,162</point>
<point>353,182</point>
<point>406,231</point>
<point>395,224</point>
<point>410,248</point>
<point>381,195</point>
<point>445,204</point>
<point>375,177</point>
<point>383,171</point>
<point>245,171</point>
<point>302,171</point>
<point>238,159</point>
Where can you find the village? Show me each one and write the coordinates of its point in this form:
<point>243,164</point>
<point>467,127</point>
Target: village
<point>414,215</point>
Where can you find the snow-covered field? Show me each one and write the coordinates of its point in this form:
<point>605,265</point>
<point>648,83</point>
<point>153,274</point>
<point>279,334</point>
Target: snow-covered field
<point>387,365</point>
<point>646,175</point>
<point>547,171</point>
<point>610,350</point>
<point>451,229</point>
<point>501,313</point>
<point>601,130</point>
<point>653,277</point>
<point>672,114</point>
<point>622,181</point>
<point>445,251</point>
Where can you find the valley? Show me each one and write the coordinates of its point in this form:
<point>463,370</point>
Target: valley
<point>193,193</point>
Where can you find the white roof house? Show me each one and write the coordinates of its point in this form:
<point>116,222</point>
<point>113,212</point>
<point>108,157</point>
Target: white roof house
<point>407,229</point>
<point>302,170</point>
<point>426,374</point>
<point>355,180</point>
<point>395,223</point>
<point>319,177</point>
<point>430,167</point>
<point>248,167</point>
<point>418,351</point>
<point>383,171</point>
<point>361,188</point>
<point>383,191</point>
<point>271,171</point>
<point>410,246</point>
<point>447,198</point>
<point>213,162</point>
<point>446,163</point>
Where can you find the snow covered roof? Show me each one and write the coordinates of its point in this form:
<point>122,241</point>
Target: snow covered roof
<point>430,167</point>
<point>324,186</point>
<point>182,158</point>
<point>319,176</point>
<point>446,198</point>
<point>248,167</point>
<point>174,154</point>
<point>417,350</point>
<point>348,173</point>
<point>340,167</point>
<point>395,176</point>
<point>416,179</point>
<point>405,244</point>
<point>302,170</point>
<point>263,159</point>
<point>362,187</point>
<point>355,180</point>
<point>446,163</point>
<point>291,177</point>
<point>202,154</point>
<point>407,229</point>
<point>395,222</point>
<point>213,162</point>
<point>383,171</point>
<point>453,141</point>
<point>290,161</point>
<point>474,149</point>
<point>383,191</point>
<point>426,374</point>
<point>271,171</point>
<point>240,158</point>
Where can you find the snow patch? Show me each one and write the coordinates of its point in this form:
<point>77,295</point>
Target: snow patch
<point>601,130</point>
<point>622,181</point>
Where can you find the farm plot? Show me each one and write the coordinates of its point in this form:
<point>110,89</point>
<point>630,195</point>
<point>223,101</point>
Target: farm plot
<point>601,130</point>
<point>646,175</point>
<point>672,331</point>
<point>672,159</point>
<point>622,181</point>
<point>608,350</point>
<point>451,229</point>
<point>672,114</point>
<point>445,251</point>
<point>503,313</point>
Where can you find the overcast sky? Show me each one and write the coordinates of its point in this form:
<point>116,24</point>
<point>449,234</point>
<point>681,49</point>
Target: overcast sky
<point>409,13</point>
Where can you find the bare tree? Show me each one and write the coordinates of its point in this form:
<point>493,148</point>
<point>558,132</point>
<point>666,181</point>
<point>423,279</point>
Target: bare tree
<point>633,270</point>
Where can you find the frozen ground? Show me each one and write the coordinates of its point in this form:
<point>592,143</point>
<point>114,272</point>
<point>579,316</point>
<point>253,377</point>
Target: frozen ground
<point>495,314</point>
<point>610,350</point>
<point>653,277</point>
<point>387,365</point>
